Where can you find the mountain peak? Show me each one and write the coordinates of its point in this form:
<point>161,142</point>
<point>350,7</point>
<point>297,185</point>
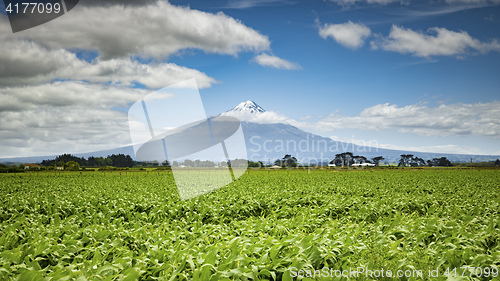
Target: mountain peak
<point>248,106</point>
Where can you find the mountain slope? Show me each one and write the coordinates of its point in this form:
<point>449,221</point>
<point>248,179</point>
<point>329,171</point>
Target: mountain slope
<point>268,142</point>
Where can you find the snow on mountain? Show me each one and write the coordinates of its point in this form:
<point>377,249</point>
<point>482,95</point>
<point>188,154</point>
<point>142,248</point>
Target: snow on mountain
<point>252,112</point>
<point>248,106</point>
<point>269,136</point>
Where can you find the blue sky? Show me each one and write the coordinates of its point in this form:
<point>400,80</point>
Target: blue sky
<point>334,78</point>
<point>419,75</point>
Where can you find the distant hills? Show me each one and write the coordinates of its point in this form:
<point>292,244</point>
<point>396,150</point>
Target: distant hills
<point>268,142</point>
<point>271,141</point>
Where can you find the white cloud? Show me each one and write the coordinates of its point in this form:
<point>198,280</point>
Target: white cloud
<point>24,62</point>
<point>158,30</point>
<point>115,2</point>
<point>383,2</point>
<point>275,62</point>
<point>51,99</point>
<point>349,34</point>
<point>346,3</point>
<point>438,42</point>
<point>450,148</point>
<point>70,115</point>
<point>473,1</point>
<point>56,130</point>
<point>245,4</point>
<point>67,93</point>
<point>267,117</point>
<point>480,119</point>
<point>117,33</point>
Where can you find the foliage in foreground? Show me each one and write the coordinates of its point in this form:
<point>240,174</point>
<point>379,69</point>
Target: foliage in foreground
<point>110,227</point>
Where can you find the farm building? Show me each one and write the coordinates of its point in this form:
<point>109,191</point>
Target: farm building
<point>31,167</point>
<point>364,165</point>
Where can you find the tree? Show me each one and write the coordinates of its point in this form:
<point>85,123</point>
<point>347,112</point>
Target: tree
<point>121,160</point>
<point>410,160</point>
<point>376,160</point>
<point>72,166</point>
<point>287,161</point>
<point>258,164</point>
<point>108,161</point>
<point>359,159</point>
<point>104,161</point>
<point>343,159</point>
<point>405,160</point>
<point>417,162</point>
<point>443,162</point>
<point>497,163</point>
<point>336,162</point>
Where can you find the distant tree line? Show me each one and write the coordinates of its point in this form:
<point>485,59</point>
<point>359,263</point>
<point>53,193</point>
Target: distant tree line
<point>443,162</point>
<point>209,164</point>
<point>11,169</point>
<point>70,162</point>
<point>67,160</point>
<point>408,160</point>
<point>287,161</point>
<point>347,159</point>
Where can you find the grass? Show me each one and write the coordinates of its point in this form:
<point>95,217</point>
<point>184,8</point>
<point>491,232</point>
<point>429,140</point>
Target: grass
<point>107,226</point>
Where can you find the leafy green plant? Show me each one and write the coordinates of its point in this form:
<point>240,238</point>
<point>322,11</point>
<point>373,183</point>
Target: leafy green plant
<point>117,226</point>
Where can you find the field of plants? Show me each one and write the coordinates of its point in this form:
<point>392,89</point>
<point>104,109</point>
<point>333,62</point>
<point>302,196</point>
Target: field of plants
<point>268,225</point>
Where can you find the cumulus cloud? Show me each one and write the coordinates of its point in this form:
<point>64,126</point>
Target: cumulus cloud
<point>76,116</point>
<point>56,130</point>
<point>480,119</point>
<point>25,62</point>
<point>345,3</point>
<point>450,148</point>
<point>275,62</point>
<point>115,2</point>
<point>67,93</point>
<point>437,42</point>
<point>349,34</point>
<point>267,117</point>
<point>158,31</point>
<point>52,98</point>
<point>245,4</point>
<point>473,1</point>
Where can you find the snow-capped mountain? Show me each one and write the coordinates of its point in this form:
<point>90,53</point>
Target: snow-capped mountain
<point>248,107</point>
<point>267,141</point>
<point>252,112</point>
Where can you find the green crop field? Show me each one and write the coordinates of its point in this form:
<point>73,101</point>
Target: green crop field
<point>268,225</point>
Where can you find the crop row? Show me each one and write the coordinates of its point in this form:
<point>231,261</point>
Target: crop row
<point>111,227</point>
